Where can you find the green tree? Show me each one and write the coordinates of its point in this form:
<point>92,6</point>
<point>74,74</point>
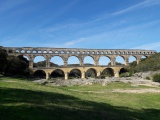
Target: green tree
<point>3,59</point>
<point>150,63</point>
<point>17,66</point>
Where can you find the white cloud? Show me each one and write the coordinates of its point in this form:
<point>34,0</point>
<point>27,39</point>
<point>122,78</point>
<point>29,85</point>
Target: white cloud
<point>150,46</point>
<point>83,25</point>
<point>74,42</point>
<point>145,3</point>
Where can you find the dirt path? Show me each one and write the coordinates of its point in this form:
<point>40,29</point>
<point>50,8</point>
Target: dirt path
<point>149,90</point>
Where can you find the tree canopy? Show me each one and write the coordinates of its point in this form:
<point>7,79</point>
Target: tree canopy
<point>12,65</point>
<point>3,59</point>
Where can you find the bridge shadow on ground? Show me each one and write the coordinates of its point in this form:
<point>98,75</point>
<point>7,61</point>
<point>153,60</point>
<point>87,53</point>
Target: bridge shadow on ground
<point>18,104</point>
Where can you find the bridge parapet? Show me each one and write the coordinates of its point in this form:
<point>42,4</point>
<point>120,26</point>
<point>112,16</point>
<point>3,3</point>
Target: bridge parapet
<point>76,51</point>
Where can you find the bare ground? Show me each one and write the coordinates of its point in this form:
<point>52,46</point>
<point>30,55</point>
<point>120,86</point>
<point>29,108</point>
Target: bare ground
<point>149,90</point>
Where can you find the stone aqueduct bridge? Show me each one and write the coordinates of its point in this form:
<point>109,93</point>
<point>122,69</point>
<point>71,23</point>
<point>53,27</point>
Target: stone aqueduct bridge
<point>65,53</point>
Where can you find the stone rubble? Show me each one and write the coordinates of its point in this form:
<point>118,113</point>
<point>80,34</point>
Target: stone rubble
<point>144,75</point>
<point>135,81</point>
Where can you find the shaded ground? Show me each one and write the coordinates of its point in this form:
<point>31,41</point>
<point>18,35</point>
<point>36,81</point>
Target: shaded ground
<point>21,100</point>
<point>25,104</point>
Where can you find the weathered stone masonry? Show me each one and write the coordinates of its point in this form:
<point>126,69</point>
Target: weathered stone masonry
<point>65,53</point>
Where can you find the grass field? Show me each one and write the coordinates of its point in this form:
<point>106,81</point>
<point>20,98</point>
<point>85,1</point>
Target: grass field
<point>25,100</point>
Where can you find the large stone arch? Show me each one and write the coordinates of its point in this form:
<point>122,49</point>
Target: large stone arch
<point>25,56</point>
<point>87,68</point>
<point>37,63</point>
<point>131,57</point>
<point>75,73</point>
<point>91,72</point>
<point>107,72</point>
<point>54,56</point>
<point>34,56</point>
<point>90,56</point>
<point>123,72</point>
<point>57,73</point>
<point>93,57</point>
<point>108,57</point>
<point>79,68</point>
<point>39,74</point>
<point>144,56</point>
<point>120,56</point>
<point>69,57</point>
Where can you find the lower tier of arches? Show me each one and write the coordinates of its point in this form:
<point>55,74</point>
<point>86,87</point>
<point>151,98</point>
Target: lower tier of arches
<point>77,72</point>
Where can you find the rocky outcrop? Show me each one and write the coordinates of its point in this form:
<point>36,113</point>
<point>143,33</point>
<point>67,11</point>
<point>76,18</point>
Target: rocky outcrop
<point>134,81</point>
<point>145,75</point>
<point>141,78</point>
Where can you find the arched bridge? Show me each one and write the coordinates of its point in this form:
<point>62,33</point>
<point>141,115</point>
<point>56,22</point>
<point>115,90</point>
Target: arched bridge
<point>65,53</point>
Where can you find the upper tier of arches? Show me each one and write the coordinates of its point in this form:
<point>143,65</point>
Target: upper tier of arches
<point>83,61</point>
<point>111,56</point>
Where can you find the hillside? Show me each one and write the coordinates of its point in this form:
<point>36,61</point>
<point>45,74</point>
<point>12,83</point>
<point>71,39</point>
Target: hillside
<point>151,63</point>
<point>43,64</point>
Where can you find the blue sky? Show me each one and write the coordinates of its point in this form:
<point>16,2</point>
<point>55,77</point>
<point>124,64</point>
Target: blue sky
<point>97,24</point>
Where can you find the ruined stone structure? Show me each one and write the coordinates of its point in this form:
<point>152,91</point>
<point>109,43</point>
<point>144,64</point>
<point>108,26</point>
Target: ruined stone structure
<point>65,53</point>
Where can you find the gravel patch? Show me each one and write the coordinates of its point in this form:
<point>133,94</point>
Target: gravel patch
<point>150,90</point>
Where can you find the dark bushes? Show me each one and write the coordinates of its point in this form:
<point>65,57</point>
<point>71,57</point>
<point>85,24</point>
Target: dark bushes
<point>156,77</point>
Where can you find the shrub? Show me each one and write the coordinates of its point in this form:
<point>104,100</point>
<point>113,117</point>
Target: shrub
<point>126,74</point>
<point>102,76</point>
<point>156,77</point>
<point>148,78</point>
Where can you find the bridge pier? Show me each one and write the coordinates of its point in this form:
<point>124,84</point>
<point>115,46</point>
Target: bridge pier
<point>116,72</point>
<point>31,64</point>
<point>66,76</point>
<point>47,75</point>
<point>98,73</point>
<point>83,75</point>
<point>138,59</point>
<point>47,63</point>
<point>31,61</point>
<point>81,61</point>
<point>113,61</point>
<point>65,61</point>
<point>126,62</point>
<point>95,63</point>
